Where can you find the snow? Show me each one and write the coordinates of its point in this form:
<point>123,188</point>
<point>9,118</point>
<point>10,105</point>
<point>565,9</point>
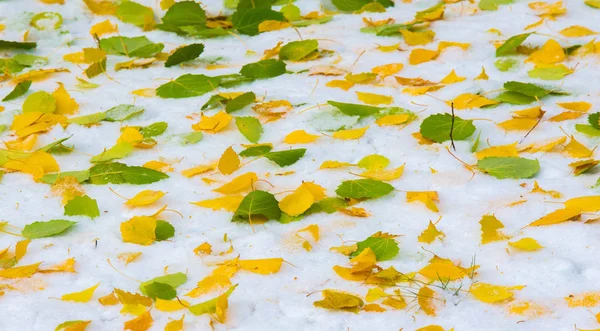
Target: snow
<point>566,265</point>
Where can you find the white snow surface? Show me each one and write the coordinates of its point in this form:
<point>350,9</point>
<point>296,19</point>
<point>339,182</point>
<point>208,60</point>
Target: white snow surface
<point>566,265</point>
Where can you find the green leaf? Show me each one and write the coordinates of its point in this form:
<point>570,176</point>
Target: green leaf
<point>509,167</point>
<point>154,129</point>
<point>5,44</point>
<point>46,229</point>
<point>515,98</point>
<point>587,129</point>
<point>291,12</point>
<point>131,47</point>
<point>119,173</point>
<point>81,176</point>
<point>118,151</point>
<point>122,112</point>
<point>30,60</point>
<point>133,13</point>
<point>172,280</point>
<point>593,3</point>
<point>552,73</point>
<point>353,109</point>
<point>286,158</point>
<point>298,50</point>
<point>185,53</point>
<point>57,147</point>
<point>209,306</point>
<point>160,291</point>
<point>505,64</point>
<point>239,102</point>
<point>510,45</point>
<point>385,248</point>
<point>437,128</point>
<point>476,143</point>
<point>350,5</point>
<point>39,101</point>
<point>363,188</point>
<point>263,69</point>
<point>82,206</point>
<point>493,4</point>
<point>331,205</point>
<point>246,21</point>
<point>10,66</point>
<point>594,120</point>
<point>45,20</point>
<point>18,91</point>
<point>88,119</point>
<point>164,230</point>
<point>96,69</point>
<point>374,161</point>
<point>421,14</point>
<point>185,13</point>
<point>320,20</point>
<point>256,151</point>
<point>187,86</point>
<point>528,89</point>
<point>257,204</point>
<point>191,138</point>
<point>250,127</point>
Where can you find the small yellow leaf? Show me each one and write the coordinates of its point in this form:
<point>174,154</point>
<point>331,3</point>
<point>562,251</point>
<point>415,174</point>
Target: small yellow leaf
<point>174,325</point>
<point>375,294</point>
<point>500,151</point>
<point>298,202</point>
<point>566,116</point>
<point>374,99</point>
<point>537,189</point>
<point>581,106</point>
<point>470,100</point>
<point>350,134</point>
<point>389,48</point>
<point>588,299</point>
<point>229,162</point>
<point>427,197</point>
<point>425,300</point>
<point>452,78</point>
<point>313,229</point>
<point>417,38</point>
<point>551,52</point>
<point>518,124</point>
<point>66,266</point>
<point>394,119</point>
<point>82,296</point>
<point>170,305</point>
<point>145,198</point>
<point>191,172</point>
<point>140,323</point>
<point>65,105</point>
<point>430,234</point>
<point>489,293</point>
<point>587,204</point>
<point>382,174</point>
<point>229,203</point>
<point>338,300</point>
<point>20,272</point>
<point>272,25</point>
<point>577,31</point>
<point>490,232</point>
<point>213,124</point>
<point>446,44</point>
<point>300,137</point>
<point>104,27</point>
<point>262,266</point>
<point>204,248</point>
<point>238,184</point>
<point>559,216</point>
<point>334,165</point>
<point>342,84</point>
<point>387,69</point>
<point>576,149</point>
<point>345,250</point>
<point>420,55</point>
<point>482,75</point>
<point>139,230</point>
<point>21,249</point>
<point>526,244</point>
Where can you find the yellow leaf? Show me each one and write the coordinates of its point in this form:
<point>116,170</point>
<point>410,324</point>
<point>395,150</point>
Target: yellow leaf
<point>588,299</point>
<point>420,90</point>
<point>587,204</point>
<point>313,229</point>
<point>130,135</point>
<point>262,266</point>
<point>489,293</point>
<point>300,137</point>
<point>490,232</point>
<point>420,55</point>
<point>213,124</point>
<point>238,184</point>
<point>387,69</point>
<point>543,146</point>
<point>375,294</point>
<point>36,164</point>
<point>501,151</point>
<point>425,300</point>
<point>482,75</point>
<point>350,133</point>
<point>104,27</point>
<point>128,298</point>
<point>65,105</point>
<point>443,270</point>
<point>229,162</point>
<point>317,191</point>
<point>191,172</point>
<point>82,296</point>
<point>140,323</point>
<point>417,38</point>
<point>559,216</point>
<point>338,300</point>
<point>272,52</point>
<point>66,266</point>
<point>145,92</point>
<point>389,48</point>
<point>274,107</point>
<point>413,81</point>
<point>528,308</point>
<point>342,84</point>
<point>334,165</point>
<point>382,174</point>
<point>576,149</point>
<point>170,305</point>
<point>345,250</point>
<point>174,325</point>
<point>133,309</point>
<point>20,272</point>
<point>72,325</point>
<point>129,257</point>
<point>21,248</point>
<point>21,144</point>
<point>394,119</point>
<point>229,203</point>
<point>538,189</point>
<point>432,327</point>
<point>566,116</point>
<point>526,244</point>
<point>446,44</point>
<point>427,197</point>
<point>580,106</point>
<point>550,53</point>
<point>470,100</point>
<point>38,75</point>
<point>139,230</point>
<point>452,78</point>
<point>518,124</point>
<point>145,198</point>
<point>396,302</point>
<point>101,7</point>
<point>298,202</point>
<point>158,166</point>
<point>271,25</point>
<point>577,31</point>
<point>430,234</point>
<point>535,24</point>
<point>221,306</point>
<point>374,99</point>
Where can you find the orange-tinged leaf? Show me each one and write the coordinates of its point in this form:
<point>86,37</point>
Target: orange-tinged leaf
<point>443,269</point>
<point>129,257</point>
<point>145,198</point>
<point>81,296</point>
<point>271,25</point>
<point>470,100</point>
<point>559,216</point>
<point>210,283</point>
<point>191,172</point>
<point>501,151</point>
<point>36,164</point>
<point>158,166</point>
<point>300,137</point>
<point>262,266</point>
<point>452,78</point>
<point>588,299</point>
<point>130,135</point>
<point>350,134</point>
<point>575,31</point>
<point>174,325</point>
<point>425,300</point>
<point>446,44</point>
<point>374,99</point>
<point>38,75</point>
<point>342,84</point>
<point>20,272</point>
<point>581,106</point>
<point>140,323</point>
<point>526,244</point>
<point>204,248</point>
<point>387,69</point>
<point>528,308</point>
<point>139,230</point>
<point>213,124</point>
<point>420,55</point>
<point>545,146</point>
<point>298,202</point>
<point>430,234</point>
<point>229,162</point>
<point>355,211</point>
<point>551,52</point>
<point>489,293</point>
<point>373,307</point>
<point>22,144</point>
<point>21,249</point>
<point>566,116</point>
<point>104,27</point>
<point>427,197</point>
<point>170,305</point>
<point>228,203</point>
